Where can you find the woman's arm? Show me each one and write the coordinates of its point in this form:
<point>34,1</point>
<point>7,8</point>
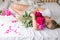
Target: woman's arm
<point>19,8</point>
<point>17,11</point>
<point>34,21</point>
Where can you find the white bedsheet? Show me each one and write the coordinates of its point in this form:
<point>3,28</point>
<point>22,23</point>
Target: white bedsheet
<point>19,32</point>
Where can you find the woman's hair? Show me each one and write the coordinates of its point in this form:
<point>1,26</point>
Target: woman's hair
<point>54,24</point>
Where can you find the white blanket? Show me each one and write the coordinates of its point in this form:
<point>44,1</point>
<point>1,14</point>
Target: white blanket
<point>12,29</point>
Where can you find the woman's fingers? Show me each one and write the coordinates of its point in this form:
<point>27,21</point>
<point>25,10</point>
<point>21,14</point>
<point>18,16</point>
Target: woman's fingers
<point>32,15</point>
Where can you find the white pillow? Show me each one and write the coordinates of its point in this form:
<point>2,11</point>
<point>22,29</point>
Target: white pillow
<point>54,8</point>
<point>46,12</point>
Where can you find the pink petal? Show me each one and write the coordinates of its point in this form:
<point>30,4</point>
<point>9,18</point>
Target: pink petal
<point>16,32</point>
<point>14,21</point>
<point>7,31</point>
<point>2,24</point>
<point>18,27</point>
<point>10,27</point>
<point>14,15</point>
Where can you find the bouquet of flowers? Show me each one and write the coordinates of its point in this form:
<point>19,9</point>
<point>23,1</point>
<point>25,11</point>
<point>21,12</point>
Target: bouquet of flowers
<point>26,19</point>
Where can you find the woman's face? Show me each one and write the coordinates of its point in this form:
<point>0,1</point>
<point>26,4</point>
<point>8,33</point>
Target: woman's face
<point>49,25</point>
<point>48,22</point>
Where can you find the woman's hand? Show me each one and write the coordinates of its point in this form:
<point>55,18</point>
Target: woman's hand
<point>32,15</point>
<point>34,21</point>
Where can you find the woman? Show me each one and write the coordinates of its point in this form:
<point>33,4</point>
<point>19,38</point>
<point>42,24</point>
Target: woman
<point>20,8</point>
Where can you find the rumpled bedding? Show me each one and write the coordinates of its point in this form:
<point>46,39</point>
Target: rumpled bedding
<point>12,29</point>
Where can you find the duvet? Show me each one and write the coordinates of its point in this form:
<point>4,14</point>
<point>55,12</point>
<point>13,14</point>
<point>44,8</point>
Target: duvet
<point>12,29</point>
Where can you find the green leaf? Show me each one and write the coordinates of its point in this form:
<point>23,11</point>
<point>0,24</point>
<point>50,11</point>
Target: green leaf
<point>26,14</point>
<point>0,11</point>
<point>26,20</point>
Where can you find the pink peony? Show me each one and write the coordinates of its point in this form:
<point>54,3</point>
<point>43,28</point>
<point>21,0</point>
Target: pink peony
<point>38,14</point>
<point>40,20</point>
<point>7,12</point>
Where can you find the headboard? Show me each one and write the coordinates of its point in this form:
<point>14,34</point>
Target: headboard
<point>55,1</point>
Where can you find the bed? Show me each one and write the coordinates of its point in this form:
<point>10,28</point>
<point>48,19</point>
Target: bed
<point>12,29</point>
